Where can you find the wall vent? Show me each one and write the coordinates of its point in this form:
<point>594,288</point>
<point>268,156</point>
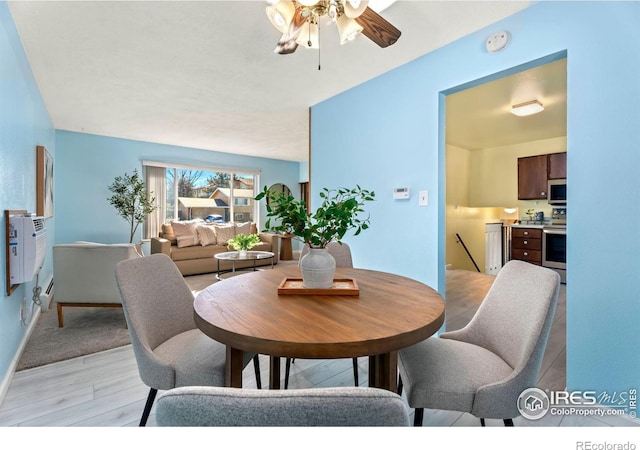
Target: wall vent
<point>46,296</point>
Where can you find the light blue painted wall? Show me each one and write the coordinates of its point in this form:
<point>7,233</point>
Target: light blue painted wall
<point>87,165</point>
<point>395,140</point>
<point>24,124</point>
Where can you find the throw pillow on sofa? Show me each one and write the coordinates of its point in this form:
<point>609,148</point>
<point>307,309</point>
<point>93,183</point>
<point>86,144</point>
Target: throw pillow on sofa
<point>224,233</point>
<point>244,228</point>
<point>167,233</point>
<point>186,232</point>
<point>207,235</point>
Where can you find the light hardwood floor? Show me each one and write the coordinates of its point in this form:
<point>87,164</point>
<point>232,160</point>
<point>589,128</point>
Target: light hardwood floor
<point>104,389</point>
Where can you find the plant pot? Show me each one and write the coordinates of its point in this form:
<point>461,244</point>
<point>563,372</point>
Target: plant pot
<point>242,254</point>
<point>318,268</point>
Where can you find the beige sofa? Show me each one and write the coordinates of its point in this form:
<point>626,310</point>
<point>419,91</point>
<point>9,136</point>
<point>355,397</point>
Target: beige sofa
<point>192,244</point>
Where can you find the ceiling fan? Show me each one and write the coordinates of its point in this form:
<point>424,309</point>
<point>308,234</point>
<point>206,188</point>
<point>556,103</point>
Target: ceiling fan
<point>299,22</point>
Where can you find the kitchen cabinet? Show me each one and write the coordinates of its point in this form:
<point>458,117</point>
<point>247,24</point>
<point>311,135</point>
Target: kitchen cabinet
<point>535,171</point>
<point>557,166</point>
<point>532,177</point>
<point>526,244</point>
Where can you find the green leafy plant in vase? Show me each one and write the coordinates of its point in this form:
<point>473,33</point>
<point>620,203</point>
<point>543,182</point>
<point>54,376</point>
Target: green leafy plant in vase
<point>341,211</point>
<point>243,242</point>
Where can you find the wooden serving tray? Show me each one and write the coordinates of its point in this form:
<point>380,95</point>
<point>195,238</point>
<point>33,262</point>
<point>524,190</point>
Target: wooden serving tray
<point>341,286</point>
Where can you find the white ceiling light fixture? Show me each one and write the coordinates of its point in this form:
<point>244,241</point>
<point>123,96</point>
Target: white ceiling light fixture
<point>527,108</point>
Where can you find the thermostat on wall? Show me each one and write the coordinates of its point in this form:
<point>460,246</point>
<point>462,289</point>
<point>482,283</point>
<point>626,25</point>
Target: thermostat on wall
<point>401,193</point>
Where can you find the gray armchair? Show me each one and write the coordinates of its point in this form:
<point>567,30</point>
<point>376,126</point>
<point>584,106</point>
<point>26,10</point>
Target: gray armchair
<point>484,367</point>
<point>84,274</point>
<point>327,407</point>
<point>170,350</point>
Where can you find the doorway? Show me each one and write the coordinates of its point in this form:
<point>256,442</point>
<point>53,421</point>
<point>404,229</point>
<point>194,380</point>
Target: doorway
<point>482,144</point>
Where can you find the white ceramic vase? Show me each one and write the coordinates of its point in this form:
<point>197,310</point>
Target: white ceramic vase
<point>318,268</point>
<point>242,254</point>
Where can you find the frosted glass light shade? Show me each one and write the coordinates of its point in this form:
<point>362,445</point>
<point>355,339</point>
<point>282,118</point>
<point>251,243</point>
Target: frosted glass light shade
<point>348,29</point>
<point>309,34</point>
<point>527,108</point>
<point>280,15</point>
<point>354,8</point>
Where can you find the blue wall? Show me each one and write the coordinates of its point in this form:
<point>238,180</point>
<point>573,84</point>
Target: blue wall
<point>24,124</point>
<point>87,165</point>
<point>398,142</point>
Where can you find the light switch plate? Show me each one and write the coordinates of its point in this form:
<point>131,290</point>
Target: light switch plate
<point>423,198</point>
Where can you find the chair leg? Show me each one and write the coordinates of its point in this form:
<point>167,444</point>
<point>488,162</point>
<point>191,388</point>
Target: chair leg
<point>355,372</point>
<point>399,385</point>
<point>256,367</point>
<point>508,422</point>
<point>417,417</point>
<point>287,369</point>
<point>147,407</point>
<point>481,422</point>
<point>60,316</point>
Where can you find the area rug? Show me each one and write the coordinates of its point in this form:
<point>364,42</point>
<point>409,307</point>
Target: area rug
<point>85,331</point>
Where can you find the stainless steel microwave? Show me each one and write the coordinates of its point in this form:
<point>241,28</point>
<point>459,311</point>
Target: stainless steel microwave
<point>557,192</point>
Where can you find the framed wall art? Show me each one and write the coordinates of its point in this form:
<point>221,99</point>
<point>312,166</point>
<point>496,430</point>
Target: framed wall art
<point>44,182</point>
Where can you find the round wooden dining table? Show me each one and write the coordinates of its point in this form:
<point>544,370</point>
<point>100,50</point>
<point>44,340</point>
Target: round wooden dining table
<point>247,314</point>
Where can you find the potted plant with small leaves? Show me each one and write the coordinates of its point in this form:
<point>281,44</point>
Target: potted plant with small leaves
<point>244,242</point>
<point>341,211</point>
<point>131,200</point>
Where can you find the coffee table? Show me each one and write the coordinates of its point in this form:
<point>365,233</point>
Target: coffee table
<point>234,257</point>
<point>246,313</point>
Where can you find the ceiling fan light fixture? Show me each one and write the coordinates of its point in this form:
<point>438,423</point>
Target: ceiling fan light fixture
<point>348,29</point>
<point>527,108</point>
<point>354,8</point>
<point>308,2</point>
<point>309,37</point>
<point>280,15</point>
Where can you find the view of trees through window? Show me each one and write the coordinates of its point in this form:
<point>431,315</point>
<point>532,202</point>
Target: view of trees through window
<point>213,196</point>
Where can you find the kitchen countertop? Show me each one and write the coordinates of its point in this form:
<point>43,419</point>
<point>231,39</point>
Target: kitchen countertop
<point>525,225</point>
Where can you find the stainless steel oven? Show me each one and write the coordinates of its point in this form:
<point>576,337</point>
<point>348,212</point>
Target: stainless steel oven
<point>554,249</point>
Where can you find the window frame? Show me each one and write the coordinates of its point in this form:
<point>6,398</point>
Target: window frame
<point>205,168</point>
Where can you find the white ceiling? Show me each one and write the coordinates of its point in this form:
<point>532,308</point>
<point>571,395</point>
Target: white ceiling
<point>203,74</point>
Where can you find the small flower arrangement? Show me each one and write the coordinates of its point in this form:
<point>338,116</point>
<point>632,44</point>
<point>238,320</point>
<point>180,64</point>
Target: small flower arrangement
<point>243,241</point>
<point>530,213</point>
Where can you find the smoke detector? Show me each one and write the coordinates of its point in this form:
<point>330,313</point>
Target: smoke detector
<point>497,41</point>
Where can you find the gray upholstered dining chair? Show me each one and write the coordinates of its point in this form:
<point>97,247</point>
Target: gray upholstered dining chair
<point>342,254</point>
<point>169,350</point>
<point>327,407</point>
<point>484,367</point>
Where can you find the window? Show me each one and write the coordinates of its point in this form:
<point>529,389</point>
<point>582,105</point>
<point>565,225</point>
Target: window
<point>214,195</point>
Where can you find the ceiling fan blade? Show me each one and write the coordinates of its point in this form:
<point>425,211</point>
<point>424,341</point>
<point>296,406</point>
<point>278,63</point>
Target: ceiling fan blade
<point>377,28</point>
<point>287,43</point>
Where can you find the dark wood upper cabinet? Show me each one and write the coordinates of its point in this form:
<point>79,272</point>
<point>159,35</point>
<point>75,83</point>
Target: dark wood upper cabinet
<point>557,166</point>
<point>535,171</point>
<point>532,177</point>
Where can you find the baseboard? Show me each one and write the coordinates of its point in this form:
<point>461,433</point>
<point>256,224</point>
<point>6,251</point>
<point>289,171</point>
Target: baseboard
<point>8,377</point>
